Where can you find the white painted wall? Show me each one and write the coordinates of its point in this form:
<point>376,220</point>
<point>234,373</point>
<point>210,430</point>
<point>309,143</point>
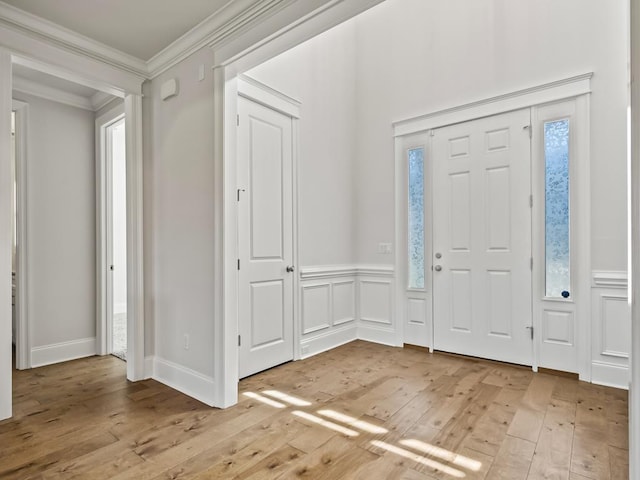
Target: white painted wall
<point>321,74</point>
<point>179,210</point>
<point>417,56</point>
<point>60,222</point>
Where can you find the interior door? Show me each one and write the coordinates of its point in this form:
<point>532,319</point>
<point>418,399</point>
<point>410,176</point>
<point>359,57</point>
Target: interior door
<point>265,231</point>
<point>482,238</point>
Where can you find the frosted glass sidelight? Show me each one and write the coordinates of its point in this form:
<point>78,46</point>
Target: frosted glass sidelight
<point>416,218</point>
<point>557,231</point>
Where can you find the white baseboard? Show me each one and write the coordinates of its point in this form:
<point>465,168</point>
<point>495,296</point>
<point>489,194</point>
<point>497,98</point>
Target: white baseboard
<point>610,375</point>
<point>371,333</point>
<point>62,352</point>
<point>185,380</point>
<point>323,342</point>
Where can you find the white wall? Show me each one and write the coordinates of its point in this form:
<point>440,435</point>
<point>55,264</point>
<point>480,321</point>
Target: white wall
<point>179,209</point>
<point>60,223</point>
<point>321,74</point>
<point>417,56</point>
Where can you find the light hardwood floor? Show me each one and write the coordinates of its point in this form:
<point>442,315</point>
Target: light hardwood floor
<point>361,411</point>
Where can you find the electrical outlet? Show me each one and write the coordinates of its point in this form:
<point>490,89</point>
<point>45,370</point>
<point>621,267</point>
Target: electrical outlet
<point>186,341</point>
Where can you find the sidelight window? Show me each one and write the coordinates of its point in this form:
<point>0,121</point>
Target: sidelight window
<point>557,214</point>
<point>416,218</point>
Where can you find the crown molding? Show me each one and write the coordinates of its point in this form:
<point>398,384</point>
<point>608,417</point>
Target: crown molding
<point>233,19</point>
<point>100,99</point>
<point>29,87</point>
<point>224,23</point>
<point>42,29</point>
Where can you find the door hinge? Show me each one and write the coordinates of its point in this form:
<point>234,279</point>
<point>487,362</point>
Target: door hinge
<point>238,264</point>
<point>531,263</point>
<point>239,341</point>
<point>531,331</point>
<point>238,119</point>
<point>530,201</point>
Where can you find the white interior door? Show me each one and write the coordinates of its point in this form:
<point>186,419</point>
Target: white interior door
<point>482,238</point>
<point>265,232</point>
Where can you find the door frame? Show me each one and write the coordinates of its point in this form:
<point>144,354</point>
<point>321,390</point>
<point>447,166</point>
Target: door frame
<point>257,92</point>
<point>563,89</point>
<point>38,55</point>
<point>104,202</point>
<point>23,333</point>
<point>290,27</point>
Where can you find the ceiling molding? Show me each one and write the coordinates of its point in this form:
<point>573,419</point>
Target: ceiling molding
<point>222,26</point>
<point>100,99</point>
<point>53,33</point>
<point>29,87</point>
<point>232,18</point>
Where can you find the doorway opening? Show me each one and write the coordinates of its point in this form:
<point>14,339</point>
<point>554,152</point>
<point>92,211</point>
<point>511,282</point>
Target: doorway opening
<point>116,233</point>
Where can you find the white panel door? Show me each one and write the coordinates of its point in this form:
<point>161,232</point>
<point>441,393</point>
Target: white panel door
<point>482,238</point>
<point>265,233</point>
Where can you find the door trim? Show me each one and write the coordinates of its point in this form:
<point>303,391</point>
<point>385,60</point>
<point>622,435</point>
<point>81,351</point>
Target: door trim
<point>103,240</point>
<point>23,332</point>
<point>563,89</point>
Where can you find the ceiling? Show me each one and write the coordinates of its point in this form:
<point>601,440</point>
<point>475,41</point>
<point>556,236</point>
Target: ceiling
<point>141,28</point>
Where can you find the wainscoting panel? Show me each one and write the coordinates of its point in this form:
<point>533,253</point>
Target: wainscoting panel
<point>377,321</point>
<point>339,304</point>
<point>611,329</point>
<point>316,307</point>
<point>328,308</point>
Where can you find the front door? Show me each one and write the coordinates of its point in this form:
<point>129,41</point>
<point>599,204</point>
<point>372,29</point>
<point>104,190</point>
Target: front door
<point>482,238</point>
<point>265,232</point>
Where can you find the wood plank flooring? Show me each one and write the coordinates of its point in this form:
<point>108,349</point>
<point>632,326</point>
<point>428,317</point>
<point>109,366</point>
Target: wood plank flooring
<point>361,411</point>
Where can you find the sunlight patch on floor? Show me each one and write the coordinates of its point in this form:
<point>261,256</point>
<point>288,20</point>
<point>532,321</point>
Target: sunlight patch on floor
<point>419,459</point>
<point>325,423</point>
<point>451,457</point>
<point>298,402</point>
<point>353,422</point>
<point>264,400</point>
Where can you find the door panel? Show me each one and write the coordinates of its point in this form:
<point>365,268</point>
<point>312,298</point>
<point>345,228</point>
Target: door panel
<point>482,229</point>
<point>265,233</point>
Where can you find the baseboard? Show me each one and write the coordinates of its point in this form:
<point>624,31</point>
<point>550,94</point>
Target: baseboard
<point>324,342</point>
<point>185,380</point>
<point>610,375</point>
<point>371,333</point>
<point>62,352</point>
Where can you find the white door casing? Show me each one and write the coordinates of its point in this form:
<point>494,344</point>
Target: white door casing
<point>482,232</point>
<point>265,237</point>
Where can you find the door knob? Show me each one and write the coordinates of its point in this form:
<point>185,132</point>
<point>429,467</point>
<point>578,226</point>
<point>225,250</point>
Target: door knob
<point>438,255</point>
<point>437,268</point>
<point>290,268</point>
